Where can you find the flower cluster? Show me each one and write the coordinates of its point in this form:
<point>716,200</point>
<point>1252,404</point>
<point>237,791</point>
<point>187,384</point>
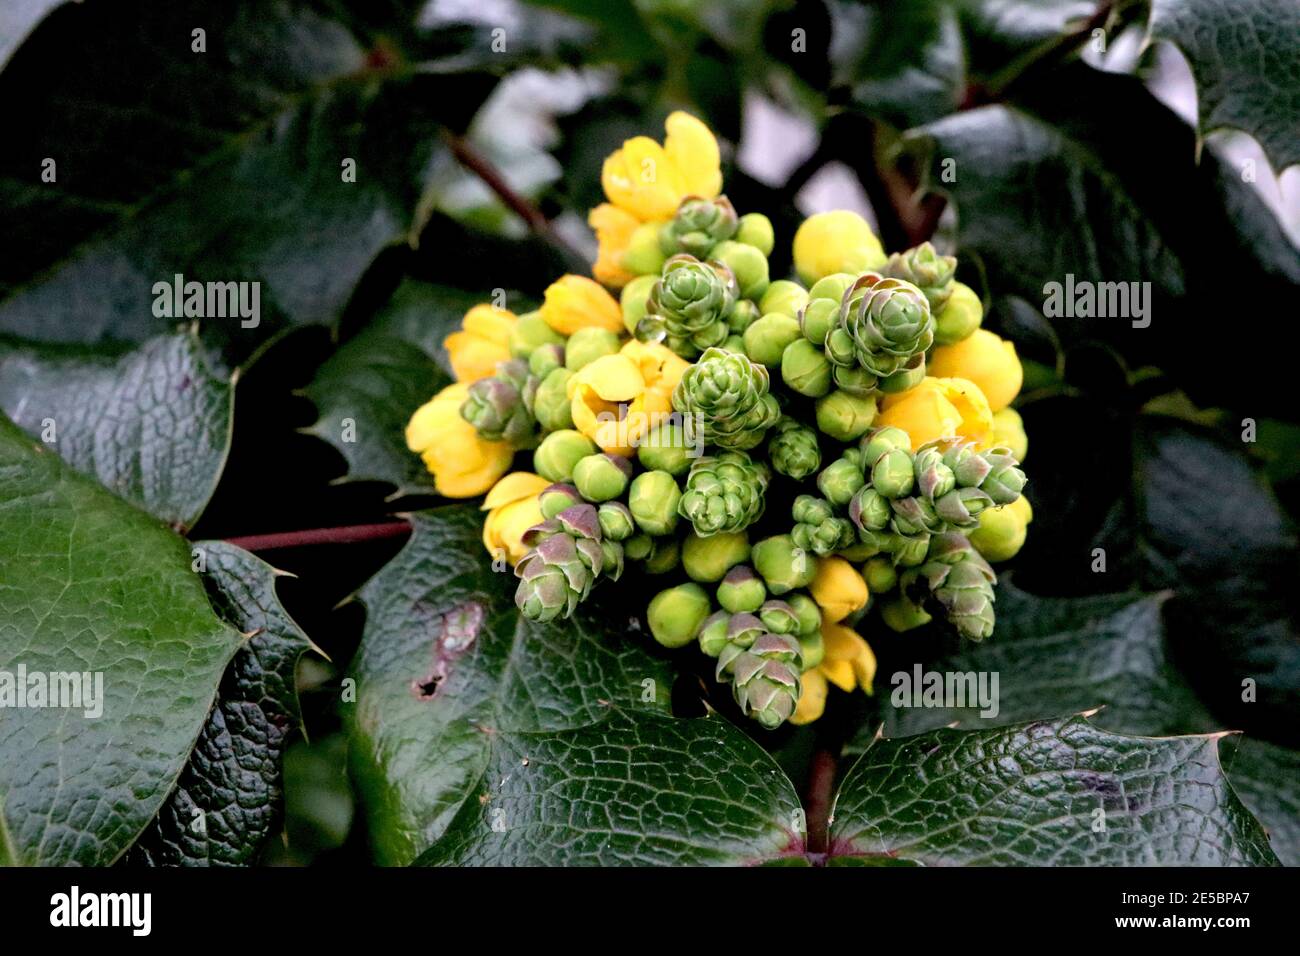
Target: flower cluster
<point>795,450</point>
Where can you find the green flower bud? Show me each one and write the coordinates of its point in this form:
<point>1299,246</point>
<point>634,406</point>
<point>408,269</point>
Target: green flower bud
<point>805,369</point>
<point>812,648</point>
<point>892,475</point>
<point>713,636</point>
<point>855,380</point>
<point>960,316</point>
<point>785,297</point>
<point>880,440</point>
<point>747,264</point>
<point>665,555</point>
<point>808,613</point>
<point>809,509</point>
<point>911,550</point>
<point>783,566</point>
<point>545,360</point>
<point>793,449</point>
<point>587,345</point>
<point>559,451</point>
<point>870,510</point>
<point>741,590</point>
<point>832,287</point>
<point>698,226</point>
<point>643,255</point>
<point>1001,533</point>
<point>1009,431</point>
<point>665,448</point>
<point>756,230</point>
<point>551,404</point>
<point>675,615</point>
<point>880,575</point>
<point>634,298</point>
<point>734,343</point>
<point>653,501</point>
<point>556,498</point>
<point>902,615</point>
<point>907,377</point>
<point>531,333</point>
<point>602,477</point>
<point>616,521</point>
<point>843,416</point>
<point>859,551</point>
<point>611,559</point>
<point>743,314</point>
<point>839,481</point>
<point>767,338</point>
<point>818,319</point>
<point>779,617</point>
<point>637,547</point>
<point>708,559</point>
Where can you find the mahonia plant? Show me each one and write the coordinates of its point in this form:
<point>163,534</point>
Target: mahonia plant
<point>861,394</point>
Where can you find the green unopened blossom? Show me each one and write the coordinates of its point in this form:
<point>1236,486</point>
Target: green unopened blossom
<point>634,298</point>
<point>806,369</point>
<point>960,316</point>
<point>742,590</point>
<point>551,404</point>
<point>653,500</point>
<point>747,264</point>
<point>602,477</point>
<point>556,498</point>
<point>783,566</point>
<point>767,338</point>
<point>530,333</point>
<point>559,452</point>
<point>755,230</point>
<point>845,417</point>
<point>709,559</point>
<point>616,523</point>
<point>783,297</point>
<point>587,345</point>
<point>675,614</point>
<point>665,448</point>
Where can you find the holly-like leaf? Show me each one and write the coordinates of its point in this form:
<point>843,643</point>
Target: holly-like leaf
<point>366,392</point>
<point>228,800</point>
<point>1212,531</point>
<point>1267,778</point>
<point>153,424</point>
<point>1246,61</point>
<point>278,146</point>
<point>18,18</point>
<point>1057,792</point>
<point>1022,178</point>
<point>447,668</point>
<point>1053,657</point>
<point>96,598</point>
<point>628,790</point>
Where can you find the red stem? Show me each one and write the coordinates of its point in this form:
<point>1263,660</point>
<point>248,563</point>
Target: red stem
<point>821,785</point>
<point>350,534</point>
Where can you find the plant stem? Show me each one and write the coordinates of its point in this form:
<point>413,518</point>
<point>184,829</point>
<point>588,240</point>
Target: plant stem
<point>821,785</point>
<point>349,534</point>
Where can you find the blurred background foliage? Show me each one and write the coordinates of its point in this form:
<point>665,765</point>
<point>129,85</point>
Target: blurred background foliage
<point>479,128</point>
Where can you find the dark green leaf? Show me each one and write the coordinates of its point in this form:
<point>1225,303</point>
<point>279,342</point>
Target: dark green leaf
<point>447,667</point>
<point>1054,189</point>
<point>227,803</point>
<point>91,585</point>
<point>627,790</point>
<point>1246,61</point>
<point>1267,778</point>
<point>1050,793</point>
<point>153,424</point>
<point>222,166</point>
<point>1213,532</point>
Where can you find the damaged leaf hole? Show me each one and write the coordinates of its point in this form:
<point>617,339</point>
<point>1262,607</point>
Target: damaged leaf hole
<point>457,632</point>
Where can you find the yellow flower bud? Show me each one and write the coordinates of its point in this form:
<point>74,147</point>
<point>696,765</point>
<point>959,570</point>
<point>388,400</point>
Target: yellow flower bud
<point>983,358</point>
<point>1001,533</point>
<point>838,589</point>
<point>939,408</point>
<point>576,302</point>
<point>482,342</point>
<point>812,698</point>
<point>613,228</point>
<point>849,661</point>
<point>1009,430</point>
<point>462,464</point>
<point>512,509</point>
<point>837,241</point>
<point>600,394</point>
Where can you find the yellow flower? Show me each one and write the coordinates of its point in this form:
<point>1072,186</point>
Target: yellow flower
<point>848,664</point>
<point>838,589</point>
<point>512,508</point>
<point>650,181</point>
<point>939,408</point>
<point>614,228</point>
<point>576,302</point>
<point>836,241</point>
<point>617,398</point>
<point>988,361</point>
<point>1009,430</point>
<point>482,342</point>
<point>462,464</point>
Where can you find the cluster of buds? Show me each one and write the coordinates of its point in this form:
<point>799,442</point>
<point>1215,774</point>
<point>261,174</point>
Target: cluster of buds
<point>859,398</point>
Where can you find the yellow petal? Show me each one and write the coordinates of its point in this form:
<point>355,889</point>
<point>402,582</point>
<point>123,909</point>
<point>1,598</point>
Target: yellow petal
<point>575,302</point>
<point>812,698</point>
<point>469,484</point>
<point>641,179</point>
<point>923,412</point>
<point>838,589</point>
<point>514,486</point>
<point>615,378</point>
<point>836,241</point>
<point>985,359</point>
<point>504,528</point>
<point>660,366</point>
<point>976,416</point>
<point>482,342</point>
<point>839,673</point>
<point>693,150</point>
<point>849,660</point>
<point>613,227</point>
<point>490,323</point>
<point>430,418</point>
